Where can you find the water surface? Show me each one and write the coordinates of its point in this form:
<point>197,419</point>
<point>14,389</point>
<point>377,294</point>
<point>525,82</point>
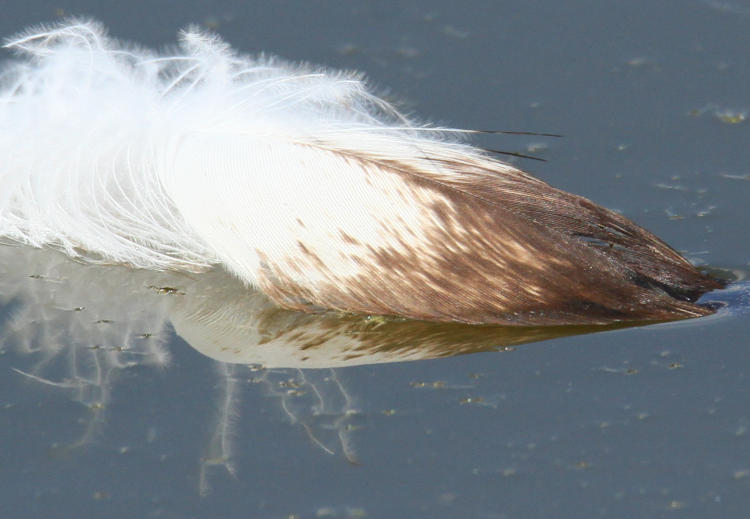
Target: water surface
<point>107,410</point>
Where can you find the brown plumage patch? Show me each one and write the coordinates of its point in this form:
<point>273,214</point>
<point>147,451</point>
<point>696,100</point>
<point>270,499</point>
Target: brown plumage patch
<point>503,247</point>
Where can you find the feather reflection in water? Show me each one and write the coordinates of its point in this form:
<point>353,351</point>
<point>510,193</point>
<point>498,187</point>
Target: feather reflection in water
<point>92,322</point>
<point>218,452</point>
<point>69,327</point>
<point>319,402</point>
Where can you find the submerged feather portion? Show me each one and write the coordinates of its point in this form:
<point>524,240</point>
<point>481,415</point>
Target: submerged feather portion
<point>304,184</point>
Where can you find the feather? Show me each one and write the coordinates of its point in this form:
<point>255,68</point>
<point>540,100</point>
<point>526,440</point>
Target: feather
<point>306,185</point>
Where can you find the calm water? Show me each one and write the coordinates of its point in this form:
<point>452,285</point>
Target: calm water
<point>116,401</point>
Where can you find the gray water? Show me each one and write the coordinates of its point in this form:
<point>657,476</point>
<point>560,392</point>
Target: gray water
<point>113,414</point>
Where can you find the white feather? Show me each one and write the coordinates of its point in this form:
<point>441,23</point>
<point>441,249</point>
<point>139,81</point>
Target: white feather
<point>158,160</point>
<point>304,184</point>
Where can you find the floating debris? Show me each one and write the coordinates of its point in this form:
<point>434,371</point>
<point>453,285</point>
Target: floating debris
<point>731,116</point>
<point>723,114</point>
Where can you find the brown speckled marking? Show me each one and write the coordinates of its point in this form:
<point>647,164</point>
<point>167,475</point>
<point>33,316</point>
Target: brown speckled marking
<point>499,246</point>
<point>348,239</point>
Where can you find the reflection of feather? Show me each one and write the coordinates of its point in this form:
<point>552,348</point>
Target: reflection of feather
<point>306,185</point>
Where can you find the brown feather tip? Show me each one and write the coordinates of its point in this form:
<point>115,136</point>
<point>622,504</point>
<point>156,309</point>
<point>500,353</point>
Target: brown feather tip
<point>494,245</point>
